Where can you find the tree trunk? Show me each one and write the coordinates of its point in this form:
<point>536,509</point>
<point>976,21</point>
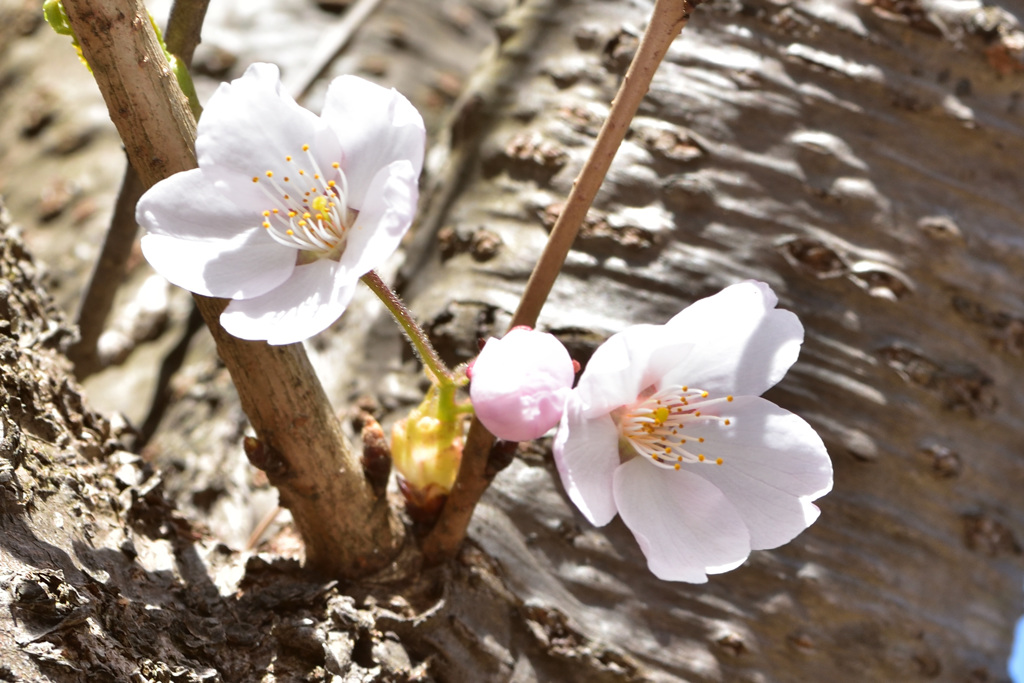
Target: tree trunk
<point>864,158</point>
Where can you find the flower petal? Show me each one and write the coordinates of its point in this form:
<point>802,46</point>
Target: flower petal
<point>187,205</point>
<point>308,303</point>
<point>376,127</point>
<point>684,525</point>
<point>250,126</point>
<point>774,465</point>
<point>626,364</point>
<point>741,343</point>
<point>520,384</point>
<point>587,455</point>
<point>387,214</point>
<point>246,266</point>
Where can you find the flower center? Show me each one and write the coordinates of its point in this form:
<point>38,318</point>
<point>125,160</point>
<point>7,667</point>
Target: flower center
<point>308,209</point>
<point>654,426</point>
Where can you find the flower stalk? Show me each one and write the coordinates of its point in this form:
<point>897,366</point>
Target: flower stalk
<point>440,374</point>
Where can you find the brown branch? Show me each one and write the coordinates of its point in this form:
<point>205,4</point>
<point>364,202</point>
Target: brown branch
<point>667,20</point>
<point>348,532</point>
<point>107,275</point>
<point>184,28</point>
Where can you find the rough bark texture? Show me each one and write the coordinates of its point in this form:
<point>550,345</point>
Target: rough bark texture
<point>862,157</point>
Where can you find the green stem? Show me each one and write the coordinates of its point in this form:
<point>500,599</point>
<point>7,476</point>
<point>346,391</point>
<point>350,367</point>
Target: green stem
<point>443,377</point>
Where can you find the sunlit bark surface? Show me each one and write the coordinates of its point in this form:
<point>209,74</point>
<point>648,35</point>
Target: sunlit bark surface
<point>864,158</point>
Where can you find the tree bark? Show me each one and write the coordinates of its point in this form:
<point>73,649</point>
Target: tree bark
<point>862,158</point>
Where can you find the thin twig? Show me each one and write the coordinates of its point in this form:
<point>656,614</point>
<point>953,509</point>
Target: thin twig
<point>184,28</point>
<point>261,528</point>
<point>331,43</point>
<point>107,275</point>
<point>668,19</point>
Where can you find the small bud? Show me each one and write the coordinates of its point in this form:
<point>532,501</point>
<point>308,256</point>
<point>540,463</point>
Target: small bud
<point>427,458</point>
<point>376,458</point>
<point>520,383</point>
<point>265,457</point>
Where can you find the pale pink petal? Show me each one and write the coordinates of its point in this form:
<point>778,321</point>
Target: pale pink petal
<point>684,525</point>
<point>251,126</point>
<point>387,214</point>
<point>186,205</point>
<point>773,465</point>
<point>587,455</point>
<point>625,365</point>
<point>376,126</point>
<point>520,384</point>
<point>245,266</point>
<point>308,303</point>
<point>741,343</point>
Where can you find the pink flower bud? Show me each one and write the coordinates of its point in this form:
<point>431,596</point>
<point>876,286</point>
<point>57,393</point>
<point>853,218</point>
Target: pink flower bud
<point>520,384</point>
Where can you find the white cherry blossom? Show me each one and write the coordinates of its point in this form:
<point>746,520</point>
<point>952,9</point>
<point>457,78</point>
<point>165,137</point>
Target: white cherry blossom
<point>287,209</point>
<point>667,429</point>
